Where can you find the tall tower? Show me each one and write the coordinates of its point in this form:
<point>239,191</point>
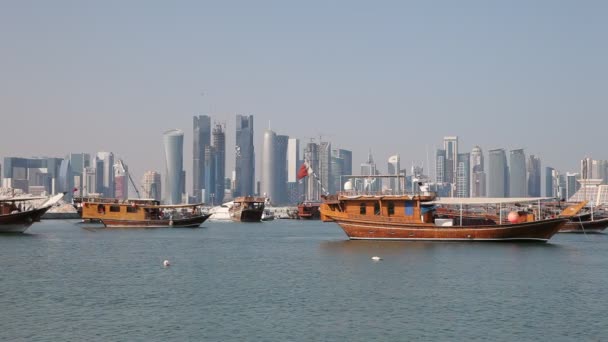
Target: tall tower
<point>311,156</point>
<point>201,139</point>
<point>105,174</point>
<point>325,164</point>
<point>533,176</point>
<point>478,175</point>
<point>219,145</point>
<point>517,173</point>
<point>293,163</point>
<point>450,145</point>
<point>549,182</point>
<point>245,157</point>
<point>463,175</point>
<point>440,166</point>
<point>269,161</point>
<point>174,162</point>
<point>394,166</point>
<point>151,185</point>
<point>499,172</point>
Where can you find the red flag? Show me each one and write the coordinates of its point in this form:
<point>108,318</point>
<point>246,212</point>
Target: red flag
<point>302,172</point>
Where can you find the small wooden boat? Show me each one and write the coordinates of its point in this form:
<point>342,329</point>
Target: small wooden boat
<point>143,213</point>
<point>309,210</point>
<point>413,217</point>
<point>18,214</point>
<point>247,209</point>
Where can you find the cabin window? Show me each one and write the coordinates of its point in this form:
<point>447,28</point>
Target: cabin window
<point>362,208</point>
<point>376,208</point>
<point>114,208</point>
<point>409,208</point>
<point>391,208</point>
<point>132,209</point>
<point>101,209</point>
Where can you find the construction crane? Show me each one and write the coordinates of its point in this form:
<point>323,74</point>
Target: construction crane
<point>122,165</point>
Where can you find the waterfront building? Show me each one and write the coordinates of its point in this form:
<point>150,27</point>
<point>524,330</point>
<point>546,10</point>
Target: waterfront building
<point>174,160</point>
<point>294,191</point>
<point>201,139</point>
<point>219,145</point>
<point>78,162</point>
<point>550,183</point>
<point>311,185</point>
<point>66,179</point>
<point>450,145</point>
<point>274,167</point>
<point>517,173</point>
<point>89,181</point>
<point>498,173</point>
<point>586,168</point>
<point>533,176</point>
<point>478,175</point>
<point>21,173</point>
<point>209,168</point>
<point>347,156</point>
<point>121,181</point>
<point>394,167</point>
<point>572,184</point>
<point>325,165</point>
<point>463,175</point>
<point>591,190</point>
<point>151,184</point>
<point>341,165</point>
<point>245,157</point>
<point>368,168</point>
<point>105,173</point>
<point>440,167</point>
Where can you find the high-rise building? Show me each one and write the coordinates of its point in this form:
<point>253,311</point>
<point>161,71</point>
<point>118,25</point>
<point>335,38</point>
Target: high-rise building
<point>269,169</point>
<point>368,168</point>
<point>572,184</point>
<point>440,167</point>
<point>341,165</point>
<point>311,185</point>
<point>78,162</point>
<point>245,157</point>
<point>325,164</point>
<point>174,163</point>
<point>463,175</point>
<point>347,156</point>
<point>517,174</point>
<point>151,185</point>
<point>478,175</point>
<point>209,168</point>
<point>394,166</point>
<point>201,139</point>
<point>450,145</point>
<point>89,181</point>
<point>562,185</point>
<point>105,174</point>
<point>533,176</point>
<point>498,173</point>
<point>121,182</point>
<point>53,174</point>
<point>294,191</point>
<point>219,144</point>
<point>587,168</point>
<point>550,190</point>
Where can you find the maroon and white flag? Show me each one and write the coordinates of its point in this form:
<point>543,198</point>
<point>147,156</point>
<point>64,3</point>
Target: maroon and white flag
<point>304,171</point>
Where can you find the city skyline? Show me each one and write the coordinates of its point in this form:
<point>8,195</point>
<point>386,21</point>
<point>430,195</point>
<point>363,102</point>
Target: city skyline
<point>460,66</point>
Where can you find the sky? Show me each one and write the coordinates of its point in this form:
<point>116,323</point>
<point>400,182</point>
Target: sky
<point>390,76</point>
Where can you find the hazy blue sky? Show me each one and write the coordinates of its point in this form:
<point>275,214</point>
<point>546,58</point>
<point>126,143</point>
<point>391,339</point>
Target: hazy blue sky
<point>393,76</point>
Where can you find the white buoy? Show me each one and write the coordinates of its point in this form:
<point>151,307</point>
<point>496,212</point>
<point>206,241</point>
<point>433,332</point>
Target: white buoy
<point>376,258</point>
<point>166,263</point>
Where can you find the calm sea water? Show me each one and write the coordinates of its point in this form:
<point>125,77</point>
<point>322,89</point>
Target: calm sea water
<point>295,281</point>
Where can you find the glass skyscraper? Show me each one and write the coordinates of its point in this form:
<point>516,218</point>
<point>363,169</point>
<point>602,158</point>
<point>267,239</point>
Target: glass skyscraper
<point>201,138</point>
<point>517,173</point>
<point>498,172</point>
<point>174,162</point>
<point>245,157</point>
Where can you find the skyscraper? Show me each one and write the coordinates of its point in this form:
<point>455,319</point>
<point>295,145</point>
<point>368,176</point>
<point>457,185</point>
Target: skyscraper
<point>174,162</point>
<point>201,138</point>
<point>394,166</point>
<point>478,175</point>
<point>517,173</point>
<point>105,174</point>
<point>121,183</point>
<point>440,167</point>
<point>311,185</point>
<point>572,184</point>
<point>245,157</point>
<point>325,164</point>
<point>151,185</point>
<point>498,172</point>
<point>341,165</point>
<point>269,169</point>
<point>450,145</point>
<point>209,168</point>
<point>219,144</point>
<point>587,168</point>
<point>533,176</point>
<point>293,164</point>
<point>549,182</point>
<point>463,175</point>
<point>368,168</point>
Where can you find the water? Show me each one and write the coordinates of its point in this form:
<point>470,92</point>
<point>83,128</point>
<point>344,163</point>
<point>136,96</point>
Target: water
<point>295,281</point>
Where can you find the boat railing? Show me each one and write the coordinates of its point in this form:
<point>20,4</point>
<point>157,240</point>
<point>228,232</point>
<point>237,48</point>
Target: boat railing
<point>352,193</point>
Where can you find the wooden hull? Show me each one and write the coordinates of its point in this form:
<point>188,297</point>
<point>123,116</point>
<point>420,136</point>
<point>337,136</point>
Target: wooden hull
<point>20,222</point>
<point>583,227</point>
<point>247,215</point>
<point>191,222</point>
<point>529,231</point>
<point>309,211</point>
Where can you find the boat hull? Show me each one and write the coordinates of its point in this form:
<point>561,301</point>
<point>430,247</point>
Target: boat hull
<point>191,222</point>
<point>585,227</point>
<point>20,222</point>
<point>247,215</point>
<point>530,231</point>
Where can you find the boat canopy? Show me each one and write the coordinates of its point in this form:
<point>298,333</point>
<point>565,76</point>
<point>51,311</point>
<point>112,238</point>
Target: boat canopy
<point>487,200</point>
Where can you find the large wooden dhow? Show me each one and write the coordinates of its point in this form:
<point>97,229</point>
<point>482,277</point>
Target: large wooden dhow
<point>143,214</point>
<point>18,214</point>
<point>413,217</point>
<point>247,209</point>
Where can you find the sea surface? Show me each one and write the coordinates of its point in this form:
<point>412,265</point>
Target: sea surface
<point>295,281</point>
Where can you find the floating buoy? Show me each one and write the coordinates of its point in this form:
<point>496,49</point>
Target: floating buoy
<point>376,258</point>
<point>166,263</point>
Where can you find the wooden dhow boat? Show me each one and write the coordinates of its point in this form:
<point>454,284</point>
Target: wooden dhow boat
<point>586,223</point>
<point>143,213</point>
<point>18,214</point>
<point>414,217</point>
<point>247,209</point>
